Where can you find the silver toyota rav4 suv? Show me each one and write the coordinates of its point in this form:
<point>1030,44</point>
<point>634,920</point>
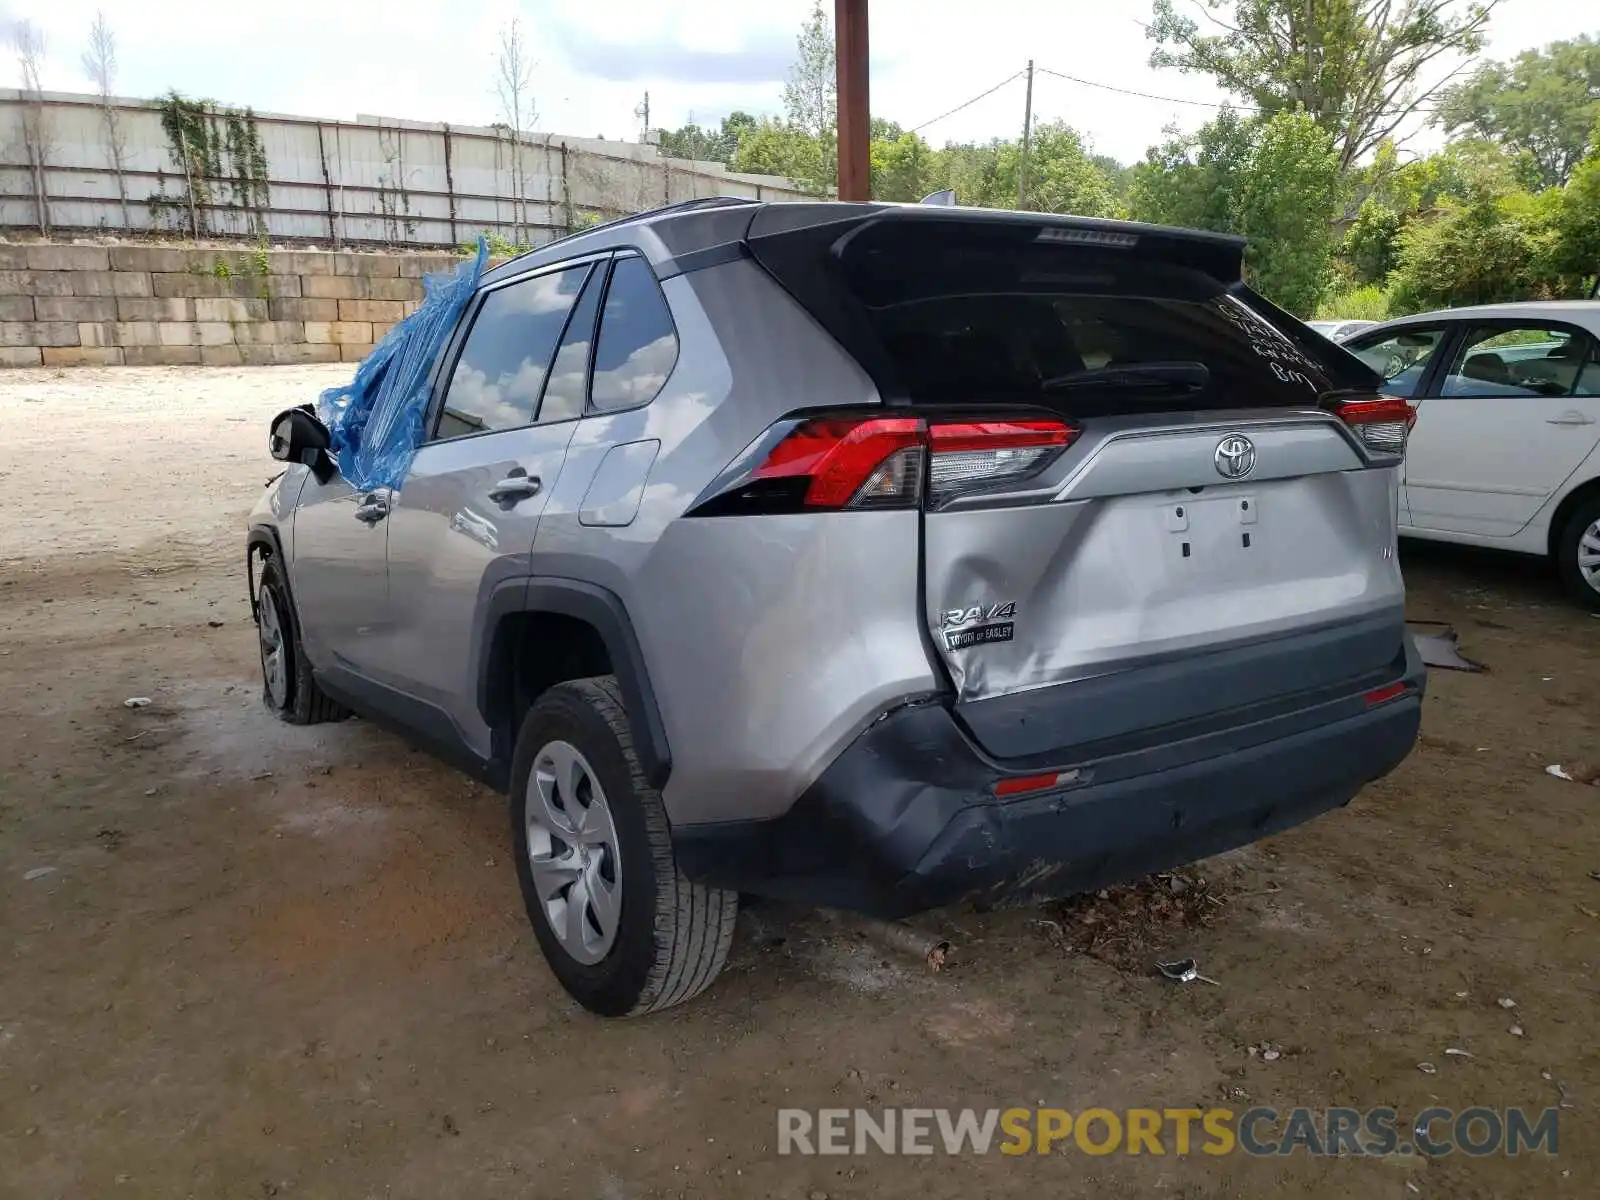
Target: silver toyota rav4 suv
<point>861,555</point>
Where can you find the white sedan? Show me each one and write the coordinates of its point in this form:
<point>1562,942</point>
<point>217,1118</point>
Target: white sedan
<point>1340,331</point>
<point>1506,448</point>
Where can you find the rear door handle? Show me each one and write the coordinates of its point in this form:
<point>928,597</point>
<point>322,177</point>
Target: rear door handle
<point>517,485</point>
<point>372,509</point>
<point>1571,417</point>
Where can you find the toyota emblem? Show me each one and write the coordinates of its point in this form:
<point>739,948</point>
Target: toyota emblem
<point>1235,457</point>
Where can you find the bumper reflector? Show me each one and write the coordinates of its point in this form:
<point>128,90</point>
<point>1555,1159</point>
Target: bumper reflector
<point>1017,785</point>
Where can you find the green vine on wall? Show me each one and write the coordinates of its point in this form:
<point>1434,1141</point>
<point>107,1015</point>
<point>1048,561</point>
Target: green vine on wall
<point>217,153</point>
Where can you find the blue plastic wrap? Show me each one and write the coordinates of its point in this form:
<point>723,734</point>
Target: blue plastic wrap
<point>375,420</point>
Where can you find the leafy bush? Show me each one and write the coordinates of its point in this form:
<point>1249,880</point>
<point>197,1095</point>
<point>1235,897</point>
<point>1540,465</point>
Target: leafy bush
<point>500,246</point>
<point>1371,244</point>
<point>1369,302</point>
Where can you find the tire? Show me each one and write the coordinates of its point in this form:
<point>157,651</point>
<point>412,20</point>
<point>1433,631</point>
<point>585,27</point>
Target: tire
<point>287,686</point>
<point>1581,536</point>
<point>667,937</point>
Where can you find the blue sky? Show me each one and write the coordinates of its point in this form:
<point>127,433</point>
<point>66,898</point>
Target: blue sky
<point>434,61</point>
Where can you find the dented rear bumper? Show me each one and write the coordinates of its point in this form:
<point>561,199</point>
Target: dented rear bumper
<point>907,818</point>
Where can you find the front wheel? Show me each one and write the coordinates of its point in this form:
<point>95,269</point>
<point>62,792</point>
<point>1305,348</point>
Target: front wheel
<point>287,686</point>
<point>1578,554</point>
<point>622,930</point>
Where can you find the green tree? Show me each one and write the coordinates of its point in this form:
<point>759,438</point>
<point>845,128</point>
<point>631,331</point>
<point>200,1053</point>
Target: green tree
<point>903,167</point>
<point>972,172</point>
<point>1118,176</point>
<point>1192,180</point>
<point>1578,222</point>
<point>688,141</point>
<point>1468,254</point>
<point>1358,67</point>
<point>711,145</point>
<point>1544,102</point>
<point>1372,242</point>
<point>1061,176</point>
<point>1287,200</point>
<point>733,125</point>
<point>1275,181</point>
<point>811,98</point>
<point>772,147</point>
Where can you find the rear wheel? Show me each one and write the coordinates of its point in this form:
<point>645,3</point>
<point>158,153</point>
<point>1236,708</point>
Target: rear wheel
<point>1578,554</point>
<point>622,930</point>
<point>286,683</point>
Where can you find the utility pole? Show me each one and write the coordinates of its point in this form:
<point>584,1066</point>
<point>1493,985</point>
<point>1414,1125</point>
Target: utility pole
<point>850,58</point>
<point>1027,138</point>
<point>643,113</point>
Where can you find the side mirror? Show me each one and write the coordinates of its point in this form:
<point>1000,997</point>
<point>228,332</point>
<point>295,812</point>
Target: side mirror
<point>298,436</point>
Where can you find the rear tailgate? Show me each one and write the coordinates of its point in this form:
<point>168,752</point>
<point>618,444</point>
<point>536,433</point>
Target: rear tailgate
<point>1161,595</point>
<point>1213,536</point>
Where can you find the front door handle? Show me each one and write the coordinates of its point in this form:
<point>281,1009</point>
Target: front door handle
<point>1571,417</point>
<point>517,485</point>
<point>372,509</point>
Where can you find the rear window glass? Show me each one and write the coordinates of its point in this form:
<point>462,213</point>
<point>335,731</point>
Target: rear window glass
<point>1086,330</point>
<point>638,345</point>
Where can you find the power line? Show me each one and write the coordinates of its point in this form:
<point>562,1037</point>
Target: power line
<point>1395,112</point>
<point>1122,91</point>
<point>1008,79</point>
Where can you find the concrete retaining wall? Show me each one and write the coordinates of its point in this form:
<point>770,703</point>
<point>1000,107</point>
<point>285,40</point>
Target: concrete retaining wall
<point>71,305</point>
<point>374,180</point>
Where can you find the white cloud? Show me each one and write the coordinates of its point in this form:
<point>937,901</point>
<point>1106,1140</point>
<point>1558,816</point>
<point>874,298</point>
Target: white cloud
<point>505,402</point>
<point>638,377</point>
<point>432,61</point>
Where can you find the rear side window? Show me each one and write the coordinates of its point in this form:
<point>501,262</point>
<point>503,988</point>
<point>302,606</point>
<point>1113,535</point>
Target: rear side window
<point>970,314</point>
<point>500,374</point>
<point>1401,358</point>
<point>1524,361</point>
<point>637,346</point>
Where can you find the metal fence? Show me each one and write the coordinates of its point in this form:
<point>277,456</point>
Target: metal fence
<point>371,181</point>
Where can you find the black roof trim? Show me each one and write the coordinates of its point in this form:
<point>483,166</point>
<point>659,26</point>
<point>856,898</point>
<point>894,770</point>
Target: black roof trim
<point>682,206</point>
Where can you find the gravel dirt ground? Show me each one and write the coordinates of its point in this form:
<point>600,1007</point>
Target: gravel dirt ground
<point>240,959</point>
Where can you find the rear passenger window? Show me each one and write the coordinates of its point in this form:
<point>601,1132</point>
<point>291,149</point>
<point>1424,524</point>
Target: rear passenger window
<point>637,346</point>
<point>1521,362</point>
<point>1402,358</point>
<point>501,372</point>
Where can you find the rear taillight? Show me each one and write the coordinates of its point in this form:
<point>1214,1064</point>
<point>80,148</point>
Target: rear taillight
<point>1382,424</point>
<point>848,463</point>
<point>967,455</point>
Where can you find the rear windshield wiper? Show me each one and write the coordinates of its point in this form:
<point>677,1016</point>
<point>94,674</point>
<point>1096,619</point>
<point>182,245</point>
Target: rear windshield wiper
<point>1188,376</point>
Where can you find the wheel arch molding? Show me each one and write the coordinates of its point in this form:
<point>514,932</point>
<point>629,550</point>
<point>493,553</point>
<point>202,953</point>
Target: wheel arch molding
<point>506,600</point>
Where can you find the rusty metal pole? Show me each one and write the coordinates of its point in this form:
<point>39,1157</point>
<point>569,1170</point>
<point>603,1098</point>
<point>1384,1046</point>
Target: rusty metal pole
<point>850,50</point>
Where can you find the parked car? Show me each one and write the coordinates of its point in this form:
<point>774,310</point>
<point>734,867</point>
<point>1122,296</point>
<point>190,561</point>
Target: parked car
<point>1506,448</point>
<point>868,556</point>
<point>1339,331</point>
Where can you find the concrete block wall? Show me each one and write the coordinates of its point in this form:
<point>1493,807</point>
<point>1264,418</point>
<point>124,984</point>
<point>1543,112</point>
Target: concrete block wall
<point>72,305</point>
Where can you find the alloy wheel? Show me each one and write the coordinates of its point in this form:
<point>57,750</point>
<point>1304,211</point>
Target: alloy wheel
<point>573,854</point>
<point>1589,555</point>
<point>274,650</point>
